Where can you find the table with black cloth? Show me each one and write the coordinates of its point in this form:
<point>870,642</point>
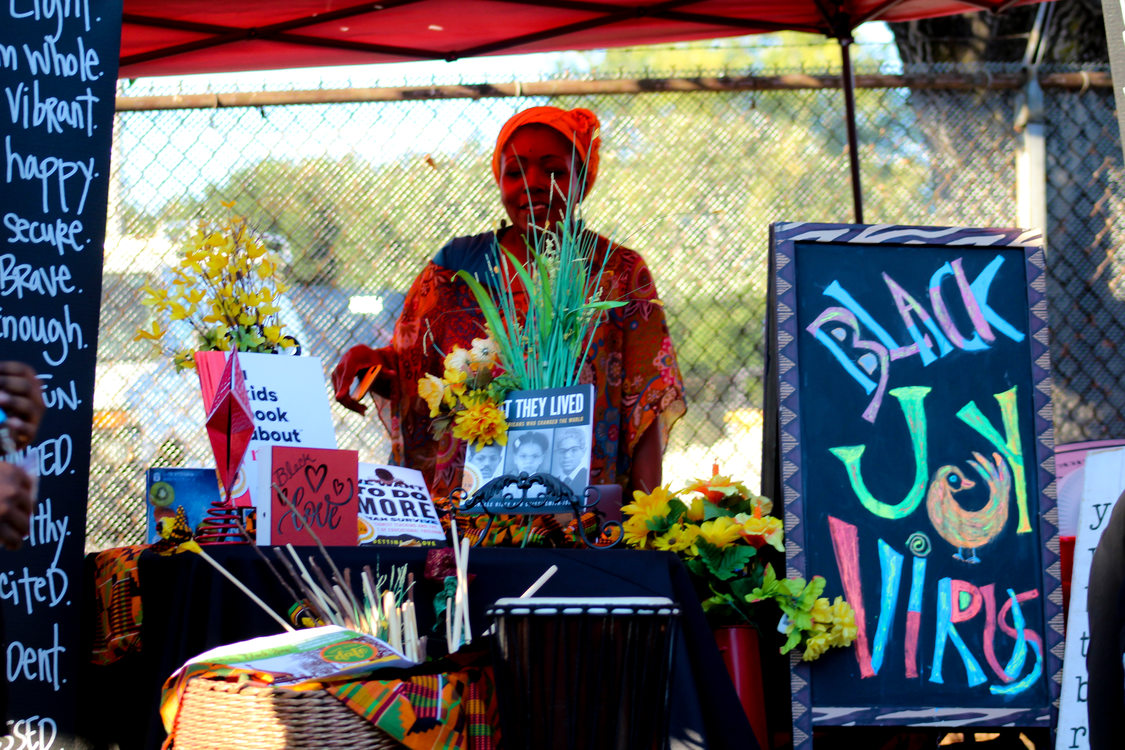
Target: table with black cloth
<point>188,608</point>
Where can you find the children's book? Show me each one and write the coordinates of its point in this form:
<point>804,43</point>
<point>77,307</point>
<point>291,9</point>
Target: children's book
<point>395,508</point>
<point>550,431</point>
<point>171,490</point>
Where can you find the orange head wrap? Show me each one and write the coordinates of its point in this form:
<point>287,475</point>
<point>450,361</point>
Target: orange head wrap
<point>579,126</point>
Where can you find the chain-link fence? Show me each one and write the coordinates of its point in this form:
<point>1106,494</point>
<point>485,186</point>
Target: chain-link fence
<point>357,195</point>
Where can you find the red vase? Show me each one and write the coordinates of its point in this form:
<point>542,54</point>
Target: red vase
<point>739,646</point>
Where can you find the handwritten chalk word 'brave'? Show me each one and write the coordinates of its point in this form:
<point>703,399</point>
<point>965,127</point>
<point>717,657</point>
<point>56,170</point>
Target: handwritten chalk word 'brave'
<point>862,358</point>
<point>58,334</point>
<point>51,10</point>
<point>30,110</point>
<point>50,60</point>
<point>50,172</point>
<point>33,733</point>
<point>36,663</point>
<point>18,279</point>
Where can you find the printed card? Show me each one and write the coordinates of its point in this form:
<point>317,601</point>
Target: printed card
<point>321,486</point>
<point>395,508</point>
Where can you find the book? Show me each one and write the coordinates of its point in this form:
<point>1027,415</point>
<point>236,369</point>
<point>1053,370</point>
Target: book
<point>321,486</point>
<point>171,489</point>
<point>395,508</point>
<point>550,431</point>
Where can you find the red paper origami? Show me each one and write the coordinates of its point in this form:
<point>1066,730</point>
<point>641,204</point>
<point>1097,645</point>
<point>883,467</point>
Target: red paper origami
<point>230,423</point>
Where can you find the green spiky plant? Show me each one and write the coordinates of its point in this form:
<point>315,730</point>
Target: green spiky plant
<point>546,347</point>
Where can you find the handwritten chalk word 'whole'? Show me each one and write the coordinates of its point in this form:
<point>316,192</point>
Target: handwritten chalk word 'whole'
<point>36,663</point>
<point>56,11</point>
<point>50,60</point>
<point>911,399</point>
<point>33,733</point>
<point>955,602</point>
<point>933,335</point>
<point>57,178</point>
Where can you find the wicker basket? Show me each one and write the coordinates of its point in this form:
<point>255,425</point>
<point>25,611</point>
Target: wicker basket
<point>215,714</point>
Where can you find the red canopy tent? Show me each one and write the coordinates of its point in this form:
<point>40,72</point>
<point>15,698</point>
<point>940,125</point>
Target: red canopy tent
<point>209,36</point>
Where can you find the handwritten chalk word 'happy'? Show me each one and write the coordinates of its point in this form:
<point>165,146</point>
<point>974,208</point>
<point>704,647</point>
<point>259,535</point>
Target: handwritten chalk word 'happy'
<point>18,279</point>
<point>51,10</point>
<point>30,110</point>
<point>862,358</point>
<point>50,172</point>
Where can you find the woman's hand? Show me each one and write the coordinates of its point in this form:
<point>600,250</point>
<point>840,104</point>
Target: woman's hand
<point>16,504</point>
<point>354,364</point>
<point>21,398</point>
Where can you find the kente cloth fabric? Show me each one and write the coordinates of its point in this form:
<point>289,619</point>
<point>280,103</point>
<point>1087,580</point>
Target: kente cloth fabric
<point>117,622</point>
<point>631,361</point>
<point>579,126</point>
<point>456,709</point>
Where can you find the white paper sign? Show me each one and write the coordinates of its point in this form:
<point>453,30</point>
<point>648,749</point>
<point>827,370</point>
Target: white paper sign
<point>1103,483</point>
<point>395,508</point>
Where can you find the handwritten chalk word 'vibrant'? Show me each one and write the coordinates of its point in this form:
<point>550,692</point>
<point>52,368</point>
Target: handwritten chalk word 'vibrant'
<point>865,357</point>
<point>956,602</point>
<point>911,399</point>
<point>52,61</point>
<point>24,278</point>
<point>49,171</point>
<point>31,110</point>
<point>33,733</point>
<point>36,663</point>
<point>51,10</point>
<point>60,334</point>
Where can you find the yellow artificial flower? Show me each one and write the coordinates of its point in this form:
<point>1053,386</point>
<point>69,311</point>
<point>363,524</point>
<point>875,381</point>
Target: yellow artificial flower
<point>484,352</point>
<point>635,532</point>
<point>721,531</point>
<point>760,530</point>
<point>481,424</point>
<point>679,538</point>
<point>844,629</point>
<point>816,646</point>
<point>694,509</point>
<point>651,505</point>
<point>822,611</point>
<point>432,389</point>
<point>154,335</point>
<point>458,359</point>
<point>455,379</point>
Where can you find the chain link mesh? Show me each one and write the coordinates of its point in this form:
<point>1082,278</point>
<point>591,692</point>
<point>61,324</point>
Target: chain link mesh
<point>357,196</point>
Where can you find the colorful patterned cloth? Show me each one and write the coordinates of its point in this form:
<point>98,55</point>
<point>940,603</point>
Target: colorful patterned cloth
<point>631,363</point>
<point>456,709</point>
<point>117,620</point>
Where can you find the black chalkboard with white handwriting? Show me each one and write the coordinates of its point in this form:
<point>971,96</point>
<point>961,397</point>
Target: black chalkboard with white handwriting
<point>58,71</point>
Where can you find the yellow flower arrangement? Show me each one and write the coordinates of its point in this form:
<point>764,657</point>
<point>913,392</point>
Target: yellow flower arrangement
<point>466,397</point>
<point>717,527</point>
<point>226,287</point>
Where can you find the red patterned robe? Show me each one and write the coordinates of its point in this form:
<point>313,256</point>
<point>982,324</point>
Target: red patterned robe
<point>631,361</point>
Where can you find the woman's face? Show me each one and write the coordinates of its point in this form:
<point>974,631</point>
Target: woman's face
<point>533,157</point>
<point>528,457</point>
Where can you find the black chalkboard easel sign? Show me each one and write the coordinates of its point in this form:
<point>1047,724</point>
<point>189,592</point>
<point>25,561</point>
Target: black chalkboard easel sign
<point>917,471</point>
<point>58,70</point>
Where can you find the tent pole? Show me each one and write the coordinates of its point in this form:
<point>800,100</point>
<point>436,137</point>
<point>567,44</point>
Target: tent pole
<point>847,76</point>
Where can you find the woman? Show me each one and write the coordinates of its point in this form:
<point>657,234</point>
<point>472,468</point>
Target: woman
<point>632,364</point>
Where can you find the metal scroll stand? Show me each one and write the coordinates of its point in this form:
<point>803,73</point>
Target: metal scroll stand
<point>534,495</point>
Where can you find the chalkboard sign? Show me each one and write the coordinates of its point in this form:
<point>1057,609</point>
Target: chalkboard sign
<point>58,69</point>
<point>917,471</point>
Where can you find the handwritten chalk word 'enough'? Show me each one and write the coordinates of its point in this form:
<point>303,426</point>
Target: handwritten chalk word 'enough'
<point>18,279</point>
<point>59,335</point>
<point>36,663</point>
<point>33,733</point>
<point>30,110</point>
<point>50,172</point>
<point>50,60</point>
<point>51,10</point>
